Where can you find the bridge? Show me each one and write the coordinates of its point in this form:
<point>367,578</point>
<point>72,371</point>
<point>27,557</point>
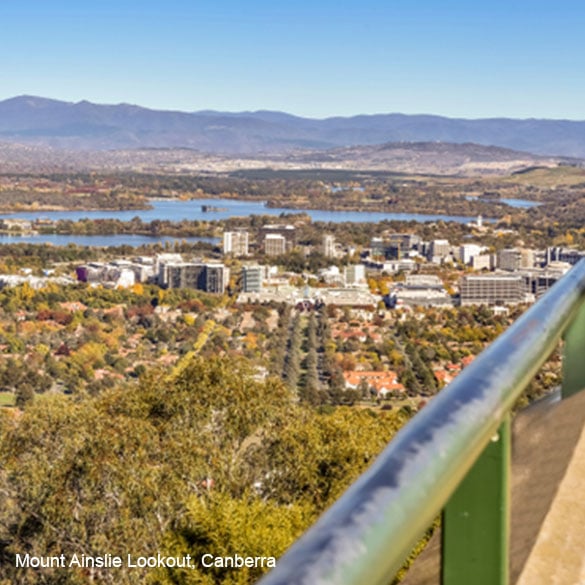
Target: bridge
<point>509,494</point>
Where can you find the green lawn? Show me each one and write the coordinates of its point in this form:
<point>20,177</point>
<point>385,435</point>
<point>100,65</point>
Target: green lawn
<point>7,399</point>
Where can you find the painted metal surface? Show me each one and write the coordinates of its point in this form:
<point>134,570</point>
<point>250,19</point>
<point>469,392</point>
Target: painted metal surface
<point>476,520</point>
<point>574,356</point>
<point>365,536</point>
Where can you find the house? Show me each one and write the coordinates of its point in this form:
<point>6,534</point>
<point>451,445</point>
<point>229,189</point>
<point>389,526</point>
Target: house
<point>465,361</point>
<point>441,375</point>
<point>380,382</point>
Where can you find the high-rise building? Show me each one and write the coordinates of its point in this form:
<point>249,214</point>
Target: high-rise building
<point>395,246</point>
<point>439,249</point>
<point>528,258</point>
<point>406,242</point>
<point>377,247</point>
<point>211,278</point>
<point>252,279</point>
<point>329,245</point>
<point>216,278</point>
<point>162,261</point>
<point>288,232</point>
<point>236,243</point>
<point>184,275</point>
<point>509,259</point>
<point>468,251</point>
<point>355,274</point>
<point>515,258</point>
<point>274,244</point>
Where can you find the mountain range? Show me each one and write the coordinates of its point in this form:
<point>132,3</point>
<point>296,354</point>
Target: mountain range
<point>88,126</point>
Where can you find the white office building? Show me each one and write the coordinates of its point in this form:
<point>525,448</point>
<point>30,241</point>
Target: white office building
<point>236,243</point>
<point>355,274</point>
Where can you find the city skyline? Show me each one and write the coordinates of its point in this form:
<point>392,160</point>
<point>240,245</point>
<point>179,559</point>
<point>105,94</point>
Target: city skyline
<point>515,60</point>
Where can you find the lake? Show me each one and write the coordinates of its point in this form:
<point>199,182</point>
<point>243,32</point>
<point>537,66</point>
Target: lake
<point>177,210</point>
<point>521,203</point>
<point>100,240</point>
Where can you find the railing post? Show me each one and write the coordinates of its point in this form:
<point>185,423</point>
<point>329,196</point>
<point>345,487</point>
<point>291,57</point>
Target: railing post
<point>574,355</point>
<point>476,523</point>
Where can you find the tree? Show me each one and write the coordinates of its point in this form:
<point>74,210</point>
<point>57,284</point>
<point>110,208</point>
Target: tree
<point>178,461</point>
<point>226,526</point>
<point>24,395</point>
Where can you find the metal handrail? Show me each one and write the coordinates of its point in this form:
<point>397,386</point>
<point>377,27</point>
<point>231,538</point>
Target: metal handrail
<point>366,535</point>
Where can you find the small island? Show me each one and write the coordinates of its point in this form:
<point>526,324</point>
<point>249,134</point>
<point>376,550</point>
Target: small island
<point>212,208</point>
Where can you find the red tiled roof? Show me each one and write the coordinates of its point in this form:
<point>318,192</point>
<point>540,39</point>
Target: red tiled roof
<point>379,381</point>
<point>443,376</point>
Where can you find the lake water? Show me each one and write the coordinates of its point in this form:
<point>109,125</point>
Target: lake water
<point>101,241</point>
<point>177,210</point>
<point>521,203</point>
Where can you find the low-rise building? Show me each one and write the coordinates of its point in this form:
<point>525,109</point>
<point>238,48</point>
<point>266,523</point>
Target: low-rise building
<point>539,280</point>
<point>381,383</point>
<point>392,267</point>
<point>483,262</point>
<point>107,274</point>
<point>423,281</point>
<point>15,225</point>
<point>569,255</point>
<point>356,298</point>
<point>35,282</point>
<point>492,289</point>
<point>119,272</point>
<point>423,290</point>
<point>331,275</point>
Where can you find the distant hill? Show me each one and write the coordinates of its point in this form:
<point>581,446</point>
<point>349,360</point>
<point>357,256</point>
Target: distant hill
<point>88,126</point>
<point>437,158</point>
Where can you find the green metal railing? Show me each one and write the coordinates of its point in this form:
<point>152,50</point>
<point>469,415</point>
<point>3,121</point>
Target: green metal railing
<point>453,456</point>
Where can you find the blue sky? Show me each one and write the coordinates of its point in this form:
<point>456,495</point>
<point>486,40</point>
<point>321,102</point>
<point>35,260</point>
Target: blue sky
<point>461,59</point>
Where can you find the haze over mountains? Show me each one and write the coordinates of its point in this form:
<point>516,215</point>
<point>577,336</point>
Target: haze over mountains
<point>437,158</point>
<point>87,126</point>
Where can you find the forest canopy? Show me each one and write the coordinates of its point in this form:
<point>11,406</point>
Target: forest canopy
<point>200,459</point>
